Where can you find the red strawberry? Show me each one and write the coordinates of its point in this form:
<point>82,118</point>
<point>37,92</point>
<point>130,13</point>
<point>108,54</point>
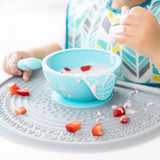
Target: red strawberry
<point>19,110</point>
<point>67,69</point>
<point>13,88</point>
<point>97,130</point>
<point>73,126</point>
<point>86,68</point>
<point>23,92</point>
<point>119,111</point>
<point>124,119</point>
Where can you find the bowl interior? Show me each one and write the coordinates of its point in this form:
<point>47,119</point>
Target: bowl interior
<point>74,58</point>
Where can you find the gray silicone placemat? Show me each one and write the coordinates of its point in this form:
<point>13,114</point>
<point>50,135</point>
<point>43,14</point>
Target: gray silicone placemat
<point>43,125</point>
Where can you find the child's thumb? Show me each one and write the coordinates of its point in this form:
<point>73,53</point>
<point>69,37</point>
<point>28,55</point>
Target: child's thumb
<point>26,75</point>
<point>125,10</point>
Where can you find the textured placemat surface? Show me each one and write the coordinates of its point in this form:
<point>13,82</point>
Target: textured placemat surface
<point>44,123</point>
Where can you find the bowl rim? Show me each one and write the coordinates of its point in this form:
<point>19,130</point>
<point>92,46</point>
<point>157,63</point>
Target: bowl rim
<point>46,67</point>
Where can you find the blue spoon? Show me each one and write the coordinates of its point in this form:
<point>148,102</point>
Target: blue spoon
<point>29,64</point>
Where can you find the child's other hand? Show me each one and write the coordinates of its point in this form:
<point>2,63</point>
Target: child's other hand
<point>139,29</point>
<point>10,64</point>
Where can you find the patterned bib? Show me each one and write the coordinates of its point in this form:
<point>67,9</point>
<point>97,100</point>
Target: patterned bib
<point>88,25</point>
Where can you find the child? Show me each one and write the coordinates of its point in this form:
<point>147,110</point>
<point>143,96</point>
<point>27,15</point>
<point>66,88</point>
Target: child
<point>88,24</point>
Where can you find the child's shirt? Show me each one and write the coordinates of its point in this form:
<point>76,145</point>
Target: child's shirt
<point>87,26</point>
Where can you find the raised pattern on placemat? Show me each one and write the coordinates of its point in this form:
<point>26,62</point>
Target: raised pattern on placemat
<point>45,119</point>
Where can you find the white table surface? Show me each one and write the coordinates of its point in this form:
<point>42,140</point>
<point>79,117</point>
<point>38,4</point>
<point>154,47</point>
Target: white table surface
<point>24,26</point>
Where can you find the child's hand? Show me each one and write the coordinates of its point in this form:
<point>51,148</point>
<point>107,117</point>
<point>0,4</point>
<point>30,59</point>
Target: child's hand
<point>139,29</point>
<point>10,64</point>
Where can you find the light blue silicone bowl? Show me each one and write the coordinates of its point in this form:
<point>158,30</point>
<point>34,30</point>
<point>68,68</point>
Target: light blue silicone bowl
<point>77,89</point>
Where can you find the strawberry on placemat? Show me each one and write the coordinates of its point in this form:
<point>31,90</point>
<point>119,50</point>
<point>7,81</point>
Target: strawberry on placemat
<point>124,119</point>
<point>19,110</point>
<point>119,111</point>
<point>13,88</point>
<point>97,130</point>
<point>73,126</point>
<point>23,92</point>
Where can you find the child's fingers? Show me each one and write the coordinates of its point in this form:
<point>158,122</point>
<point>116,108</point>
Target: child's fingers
<point>125,10</point>
<point>133,16</point>
<point>12,64</point>
<point>14,70</point>
<point>120,39</point>
<point>6,66</point>
<point>138,10</point>
<point>124,30</point>
<point>128,19</point>
<point>125,40</point>
<point>26,75</point>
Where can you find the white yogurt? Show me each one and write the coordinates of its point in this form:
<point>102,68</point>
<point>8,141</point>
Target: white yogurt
<point>94,69</point>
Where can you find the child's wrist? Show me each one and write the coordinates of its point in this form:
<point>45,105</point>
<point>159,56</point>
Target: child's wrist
<point>30,53</point>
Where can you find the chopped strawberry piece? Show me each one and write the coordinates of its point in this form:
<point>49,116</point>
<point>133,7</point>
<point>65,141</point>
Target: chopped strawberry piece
<point>13,88</point>
<point>124,119</point>
<point>119,111</point>
<point>19,110</point>
<point>67,69</point>
<point>73,126</point>
<point>97,130</point>
<point>23,92</point>
<point>86,68</point>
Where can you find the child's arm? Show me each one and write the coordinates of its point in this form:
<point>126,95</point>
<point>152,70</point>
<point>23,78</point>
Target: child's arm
<point>42,51</point>
<point>140,30</point>
<point>10,61</point>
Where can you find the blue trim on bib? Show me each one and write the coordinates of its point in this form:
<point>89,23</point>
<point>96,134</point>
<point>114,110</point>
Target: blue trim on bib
<point>108,6</point>
<point>66,46</point>
<point>156,3</point>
